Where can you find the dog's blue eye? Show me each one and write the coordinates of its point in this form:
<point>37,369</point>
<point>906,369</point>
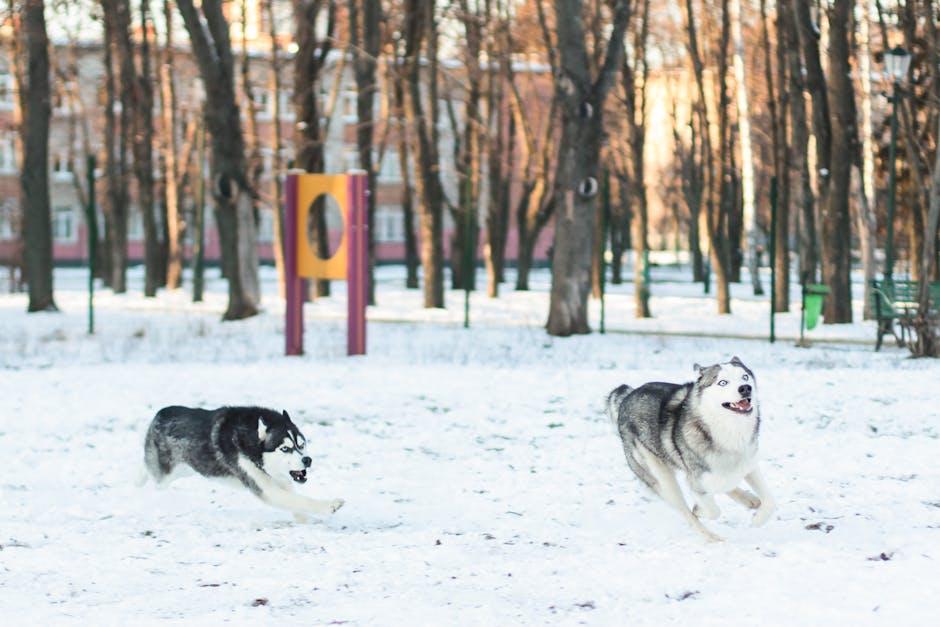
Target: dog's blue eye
<point>722,382</point>
<point>285,449</point>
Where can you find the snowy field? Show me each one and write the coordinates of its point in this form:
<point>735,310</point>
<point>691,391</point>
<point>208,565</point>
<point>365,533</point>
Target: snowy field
<point>483,484</point>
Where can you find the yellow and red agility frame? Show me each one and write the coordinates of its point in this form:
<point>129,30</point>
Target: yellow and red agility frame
<point>350,261</point>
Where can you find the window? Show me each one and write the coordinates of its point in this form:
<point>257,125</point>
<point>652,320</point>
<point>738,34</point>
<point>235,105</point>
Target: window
<point>7,91</point>
<point>135,225</point>
<point>350,158</point>
<point>266,226</point>
<point>389,224</point>
<point>263,103</point>
<point>391,168</point>
<point>286,104</point>
<point>349,106</point>
<point>61,167</point>
<point>7,152</point>
<point>63,224</point>
<point>8,211</point>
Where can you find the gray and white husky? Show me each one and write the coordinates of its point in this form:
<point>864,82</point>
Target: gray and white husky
<point>261,448</point>
<point>707,429</point>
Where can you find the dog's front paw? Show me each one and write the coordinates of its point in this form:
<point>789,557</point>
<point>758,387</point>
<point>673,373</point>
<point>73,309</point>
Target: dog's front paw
<point>763,513</point>
<point>335,504</point>
<point>708,512</point>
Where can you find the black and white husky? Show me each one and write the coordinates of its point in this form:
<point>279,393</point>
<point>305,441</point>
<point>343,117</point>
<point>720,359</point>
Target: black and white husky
<point>707,429</point>
<point>261,448</point>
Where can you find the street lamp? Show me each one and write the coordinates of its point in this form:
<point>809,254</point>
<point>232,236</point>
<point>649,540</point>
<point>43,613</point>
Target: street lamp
<point>897,61</point>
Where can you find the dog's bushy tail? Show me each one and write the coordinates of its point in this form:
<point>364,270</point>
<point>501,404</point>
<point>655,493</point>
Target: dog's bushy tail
<point>614,399</point>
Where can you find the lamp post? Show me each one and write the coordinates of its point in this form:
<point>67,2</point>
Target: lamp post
<point>897,61</point>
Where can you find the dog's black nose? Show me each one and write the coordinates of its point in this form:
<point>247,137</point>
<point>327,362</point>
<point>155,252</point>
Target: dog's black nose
<point>745,390</point>
<point>307,461</point>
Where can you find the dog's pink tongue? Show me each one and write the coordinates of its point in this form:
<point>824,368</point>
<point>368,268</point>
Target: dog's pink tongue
<point>744,404</point>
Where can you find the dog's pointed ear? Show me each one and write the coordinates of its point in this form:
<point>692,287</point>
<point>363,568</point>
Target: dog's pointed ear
<point>698,369</point>
<point>286,415</point>
<point>736,361</point>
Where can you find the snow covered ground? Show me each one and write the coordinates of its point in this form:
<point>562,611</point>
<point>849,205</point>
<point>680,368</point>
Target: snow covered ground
<point>483,484</point>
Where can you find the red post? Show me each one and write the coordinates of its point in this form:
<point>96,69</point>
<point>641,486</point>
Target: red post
<point>294,307</point>
<point>357,265</point>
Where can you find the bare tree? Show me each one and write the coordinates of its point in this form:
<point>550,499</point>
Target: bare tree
<point>747,158</point>
<point>865,160</point>
<point>537,200</point>
<point>502,140</point>
<point>171,177</point>
<point>277,163</point>
<point>365,41</point>
<point>309,62</point>
<point>716,189</point>
<point>806,197</point>
<point>35,104</point>
<point>407,188</point>
<point>781,151</point>
<point>815,83</point>
<point>635,75</point>
<point>420,20</point>
<point>581,100</point>
<point>836,223</point>
<point>209,34</point>
<point>117,140</point>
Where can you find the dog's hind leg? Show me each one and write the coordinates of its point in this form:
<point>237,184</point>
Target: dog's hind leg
<point>668,488</point>
<point>745,498</point>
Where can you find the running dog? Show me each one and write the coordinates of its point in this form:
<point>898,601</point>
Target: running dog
<point>260,448</point>
<point>707,429</point>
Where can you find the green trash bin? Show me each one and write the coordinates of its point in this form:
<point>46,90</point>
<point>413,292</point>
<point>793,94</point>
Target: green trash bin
<point>814,294</point>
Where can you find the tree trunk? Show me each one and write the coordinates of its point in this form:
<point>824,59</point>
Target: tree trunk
<point>926,329</point>
<point>407,189</point>
<point>174,267</point>
<point>867,224</point>
<point>581,99</point>
<point>209,35</point>
<point>634,86</point>
<point>808,257</point>
<point>822,125</point>
<point>365,53</point>
<point>419,23</point>
<point>277,165</point>
<point>309,61</point>
<point>837,225</point>
<point>747,158</point>
<point>137,113</point>
<point>118,133</point>
<point>34,172</point>
<point>715,192</point>
<point>781,152</point>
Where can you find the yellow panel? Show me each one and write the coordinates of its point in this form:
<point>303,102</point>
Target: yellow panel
<point>309,186</point>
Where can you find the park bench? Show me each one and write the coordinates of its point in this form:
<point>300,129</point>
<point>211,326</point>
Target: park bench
<point>896,303</point>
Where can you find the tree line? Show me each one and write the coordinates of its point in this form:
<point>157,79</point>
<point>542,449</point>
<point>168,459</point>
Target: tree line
<point>756,90</point>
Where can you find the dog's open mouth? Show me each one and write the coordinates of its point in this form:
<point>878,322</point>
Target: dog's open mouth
<point>300,476</point>
<point>742,407</point>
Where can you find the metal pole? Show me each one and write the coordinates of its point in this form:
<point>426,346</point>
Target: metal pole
<point>605,217</point>
<point>468,258</point>
<point>773,255</point>
<point>92,242</point>
<point>892,178</point>
<point>199,244</point>
<point>293,285</point>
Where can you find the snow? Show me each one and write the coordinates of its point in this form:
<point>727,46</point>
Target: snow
<point>483,484</point>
